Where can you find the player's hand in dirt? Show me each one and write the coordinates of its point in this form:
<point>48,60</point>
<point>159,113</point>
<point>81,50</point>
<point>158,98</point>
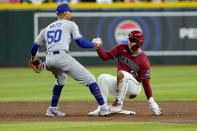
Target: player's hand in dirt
<point>153,106</point>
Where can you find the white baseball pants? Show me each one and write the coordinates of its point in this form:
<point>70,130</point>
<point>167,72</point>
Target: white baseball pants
<point>63,64</point>
<point>108,84</point>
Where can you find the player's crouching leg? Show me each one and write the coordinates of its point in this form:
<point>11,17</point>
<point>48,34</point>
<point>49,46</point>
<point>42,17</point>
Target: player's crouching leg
<point>103,108</point>
<point>107,84</point>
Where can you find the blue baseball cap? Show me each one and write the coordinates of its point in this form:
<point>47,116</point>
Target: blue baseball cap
<point>61,8</point>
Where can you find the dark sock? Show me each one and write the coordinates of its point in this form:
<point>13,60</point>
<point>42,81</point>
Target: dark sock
<point>56,95</point>
<point>94,89</point>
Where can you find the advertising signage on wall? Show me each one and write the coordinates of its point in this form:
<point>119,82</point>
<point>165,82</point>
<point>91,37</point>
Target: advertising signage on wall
<point>165,33</point>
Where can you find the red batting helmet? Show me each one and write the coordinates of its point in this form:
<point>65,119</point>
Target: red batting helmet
<point>138,37</point>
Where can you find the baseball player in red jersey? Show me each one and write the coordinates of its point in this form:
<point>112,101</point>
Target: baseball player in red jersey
<point>133,69</point>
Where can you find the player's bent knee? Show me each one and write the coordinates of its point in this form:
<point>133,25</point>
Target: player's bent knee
<point>60,83</point>
<point>120,76</point>
<point>101,77</point>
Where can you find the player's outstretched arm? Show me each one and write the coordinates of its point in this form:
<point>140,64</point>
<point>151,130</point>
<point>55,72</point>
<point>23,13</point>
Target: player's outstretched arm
<point>86,44</point>
<point>153,106</point>
<point>104,55</point>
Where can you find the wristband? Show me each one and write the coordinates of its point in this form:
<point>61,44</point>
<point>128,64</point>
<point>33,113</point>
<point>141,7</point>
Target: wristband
<point>95,45</point>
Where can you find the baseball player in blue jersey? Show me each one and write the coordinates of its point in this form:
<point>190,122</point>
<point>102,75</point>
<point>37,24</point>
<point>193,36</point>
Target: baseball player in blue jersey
<point>57,37</point>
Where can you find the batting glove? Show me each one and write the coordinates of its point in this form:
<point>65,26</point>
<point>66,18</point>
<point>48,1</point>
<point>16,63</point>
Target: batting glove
<point>154,108</point>
<point>98,42</point>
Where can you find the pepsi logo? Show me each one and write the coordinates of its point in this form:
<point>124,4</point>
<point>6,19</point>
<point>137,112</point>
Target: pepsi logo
<point>123,29</point>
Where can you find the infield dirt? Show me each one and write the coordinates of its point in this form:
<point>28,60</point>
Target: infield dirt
<point>173,112</point>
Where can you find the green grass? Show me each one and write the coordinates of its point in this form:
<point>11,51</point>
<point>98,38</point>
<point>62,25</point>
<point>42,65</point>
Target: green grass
<point>94,126</point>
<point>169,83</point>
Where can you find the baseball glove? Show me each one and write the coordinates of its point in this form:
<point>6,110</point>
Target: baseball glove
<point>36,64</point>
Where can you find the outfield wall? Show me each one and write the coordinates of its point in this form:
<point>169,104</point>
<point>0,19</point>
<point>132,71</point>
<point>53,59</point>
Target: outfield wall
<point>170,30</point>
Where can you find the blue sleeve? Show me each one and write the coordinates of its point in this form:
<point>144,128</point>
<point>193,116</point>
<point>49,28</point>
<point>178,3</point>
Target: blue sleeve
<point>84,44</point>
<point>34,49</point>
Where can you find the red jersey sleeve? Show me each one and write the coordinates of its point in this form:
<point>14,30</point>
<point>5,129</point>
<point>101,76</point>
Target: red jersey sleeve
<point>145,69</point>
<point>147,88</point>
<point>106,55</point>
<point>145,75</point>
<point>115,51</point>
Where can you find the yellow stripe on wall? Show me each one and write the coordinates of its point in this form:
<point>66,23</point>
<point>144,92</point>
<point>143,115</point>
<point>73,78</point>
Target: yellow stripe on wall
<point>102,6</point>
